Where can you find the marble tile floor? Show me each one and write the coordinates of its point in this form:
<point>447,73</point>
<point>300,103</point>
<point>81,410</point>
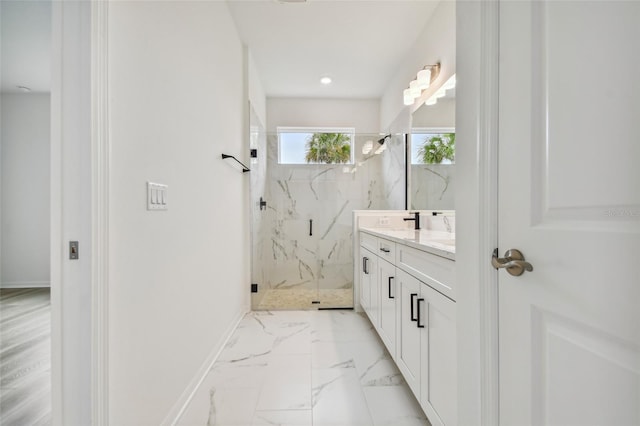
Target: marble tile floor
<point>25,357</point>
<point>303,368</point>
<point>302,298</point>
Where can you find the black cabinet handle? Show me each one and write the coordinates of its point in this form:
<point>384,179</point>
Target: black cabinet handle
<point>365,261</point>
<point>386,250</point>
<point>419,321</point>
<point>390,296</point>
<point>413,296</point>
<point>310,227</point>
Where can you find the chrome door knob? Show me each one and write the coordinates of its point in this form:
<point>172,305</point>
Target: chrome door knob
<point>513,262</point>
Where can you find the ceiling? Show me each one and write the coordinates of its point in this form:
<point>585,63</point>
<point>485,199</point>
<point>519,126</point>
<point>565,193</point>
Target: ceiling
<point>26,45</point>
<point>358,43</point>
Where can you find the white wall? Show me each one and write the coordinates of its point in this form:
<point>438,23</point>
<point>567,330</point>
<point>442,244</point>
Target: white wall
<point>363,114</point>
<point>179,279</point>
<point>256,91</point>
<point>437,43</point>
<point>25,146</point>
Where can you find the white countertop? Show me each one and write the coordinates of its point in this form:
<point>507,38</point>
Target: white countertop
<point>436,242</point>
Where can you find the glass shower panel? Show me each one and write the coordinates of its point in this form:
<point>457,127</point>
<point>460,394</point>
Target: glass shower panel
<point>303,249</point>
<point>259,207</point>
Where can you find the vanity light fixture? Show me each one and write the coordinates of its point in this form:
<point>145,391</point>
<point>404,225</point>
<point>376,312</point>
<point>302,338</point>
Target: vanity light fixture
<point>442,91</point>
<point>414,89</point>
<point>423,80</point>
<point>407,97</point>
<point>450,84</point>
<point>382,146</point>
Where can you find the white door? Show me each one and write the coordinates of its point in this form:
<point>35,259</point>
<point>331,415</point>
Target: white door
<point>569,199</point>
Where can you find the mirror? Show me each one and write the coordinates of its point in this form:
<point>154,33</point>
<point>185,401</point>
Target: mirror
<point>432,155</point>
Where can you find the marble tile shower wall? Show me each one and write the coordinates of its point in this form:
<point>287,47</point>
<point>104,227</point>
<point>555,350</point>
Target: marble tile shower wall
<point>287,256</point>
<point>393,174</point>
<point>432,187</point>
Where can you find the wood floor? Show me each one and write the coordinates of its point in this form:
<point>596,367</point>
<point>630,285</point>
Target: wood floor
<point>25,357</point>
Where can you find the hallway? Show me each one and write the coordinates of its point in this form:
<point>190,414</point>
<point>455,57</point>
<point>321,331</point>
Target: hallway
<point>304,368</point>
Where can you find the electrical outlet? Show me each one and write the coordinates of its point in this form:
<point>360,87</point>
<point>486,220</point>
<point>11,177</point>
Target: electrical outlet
<point>383,221</point>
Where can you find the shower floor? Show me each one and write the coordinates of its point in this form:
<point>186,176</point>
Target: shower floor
<point>301,298</point>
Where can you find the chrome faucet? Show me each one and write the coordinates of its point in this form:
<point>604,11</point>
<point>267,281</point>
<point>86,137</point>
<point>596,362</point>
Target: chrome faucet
<point>415,218</point>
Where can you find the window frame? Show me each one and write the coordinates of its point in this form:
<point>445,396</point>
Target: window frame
<point>351,131</point>
<point>432,131</point>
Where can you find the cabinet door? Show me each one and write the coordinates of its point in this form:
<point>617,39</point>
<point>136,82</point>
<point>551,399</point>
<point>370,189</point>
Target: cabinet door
<point>374,299</point>
<point>365,282</point>
<point>439,357</point>
<point>408,355</point>
<point>387,285</point>
<point>368,281</point>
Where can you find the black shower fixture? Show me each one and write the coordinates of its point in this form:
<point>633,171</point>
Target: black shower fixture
<point>384,138</point>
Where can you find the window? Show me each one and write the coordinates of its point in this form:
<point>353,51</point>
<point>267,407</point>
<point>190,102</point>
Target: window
<point>315,145</point>
<point>433,146</point>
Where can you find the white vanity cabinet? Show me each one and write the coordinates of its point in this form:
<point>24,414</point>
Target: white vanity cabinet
<point>410,301</point>
<point>427,347</point>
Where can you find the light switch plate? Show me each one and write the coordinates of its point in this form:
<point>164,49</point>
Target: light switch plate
<point>157,196</point>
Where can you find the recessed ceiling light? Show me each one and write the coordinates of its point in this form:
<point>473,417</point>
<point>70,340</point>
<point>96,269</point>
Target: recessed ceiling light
<point>325,80</point>
<point>24,88</point>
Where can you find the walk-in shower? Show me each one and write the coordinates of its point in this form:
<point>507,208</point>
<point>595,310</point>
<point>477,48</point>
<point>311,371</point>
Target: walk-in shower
<point>302,254</point>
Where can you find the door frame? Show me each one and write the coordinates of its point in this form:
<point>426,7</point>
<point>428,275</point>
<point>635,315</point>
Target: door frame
<point>85,64</point>
<point>477,68</point>
<point>100,168</point>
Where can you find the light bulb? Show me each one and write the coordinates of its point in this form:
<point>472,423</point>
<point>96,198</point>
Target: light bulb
<point>367,147</point>
<point>424,78</point>
<point>414,88</point>
<point>431,101</point>
<point>408,99</point>
<point>440,93</point>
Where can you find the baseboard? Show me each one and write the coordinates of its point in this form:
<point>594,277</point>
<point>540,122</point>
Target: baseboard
<point>25,284</point>
<point>183,402</point>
